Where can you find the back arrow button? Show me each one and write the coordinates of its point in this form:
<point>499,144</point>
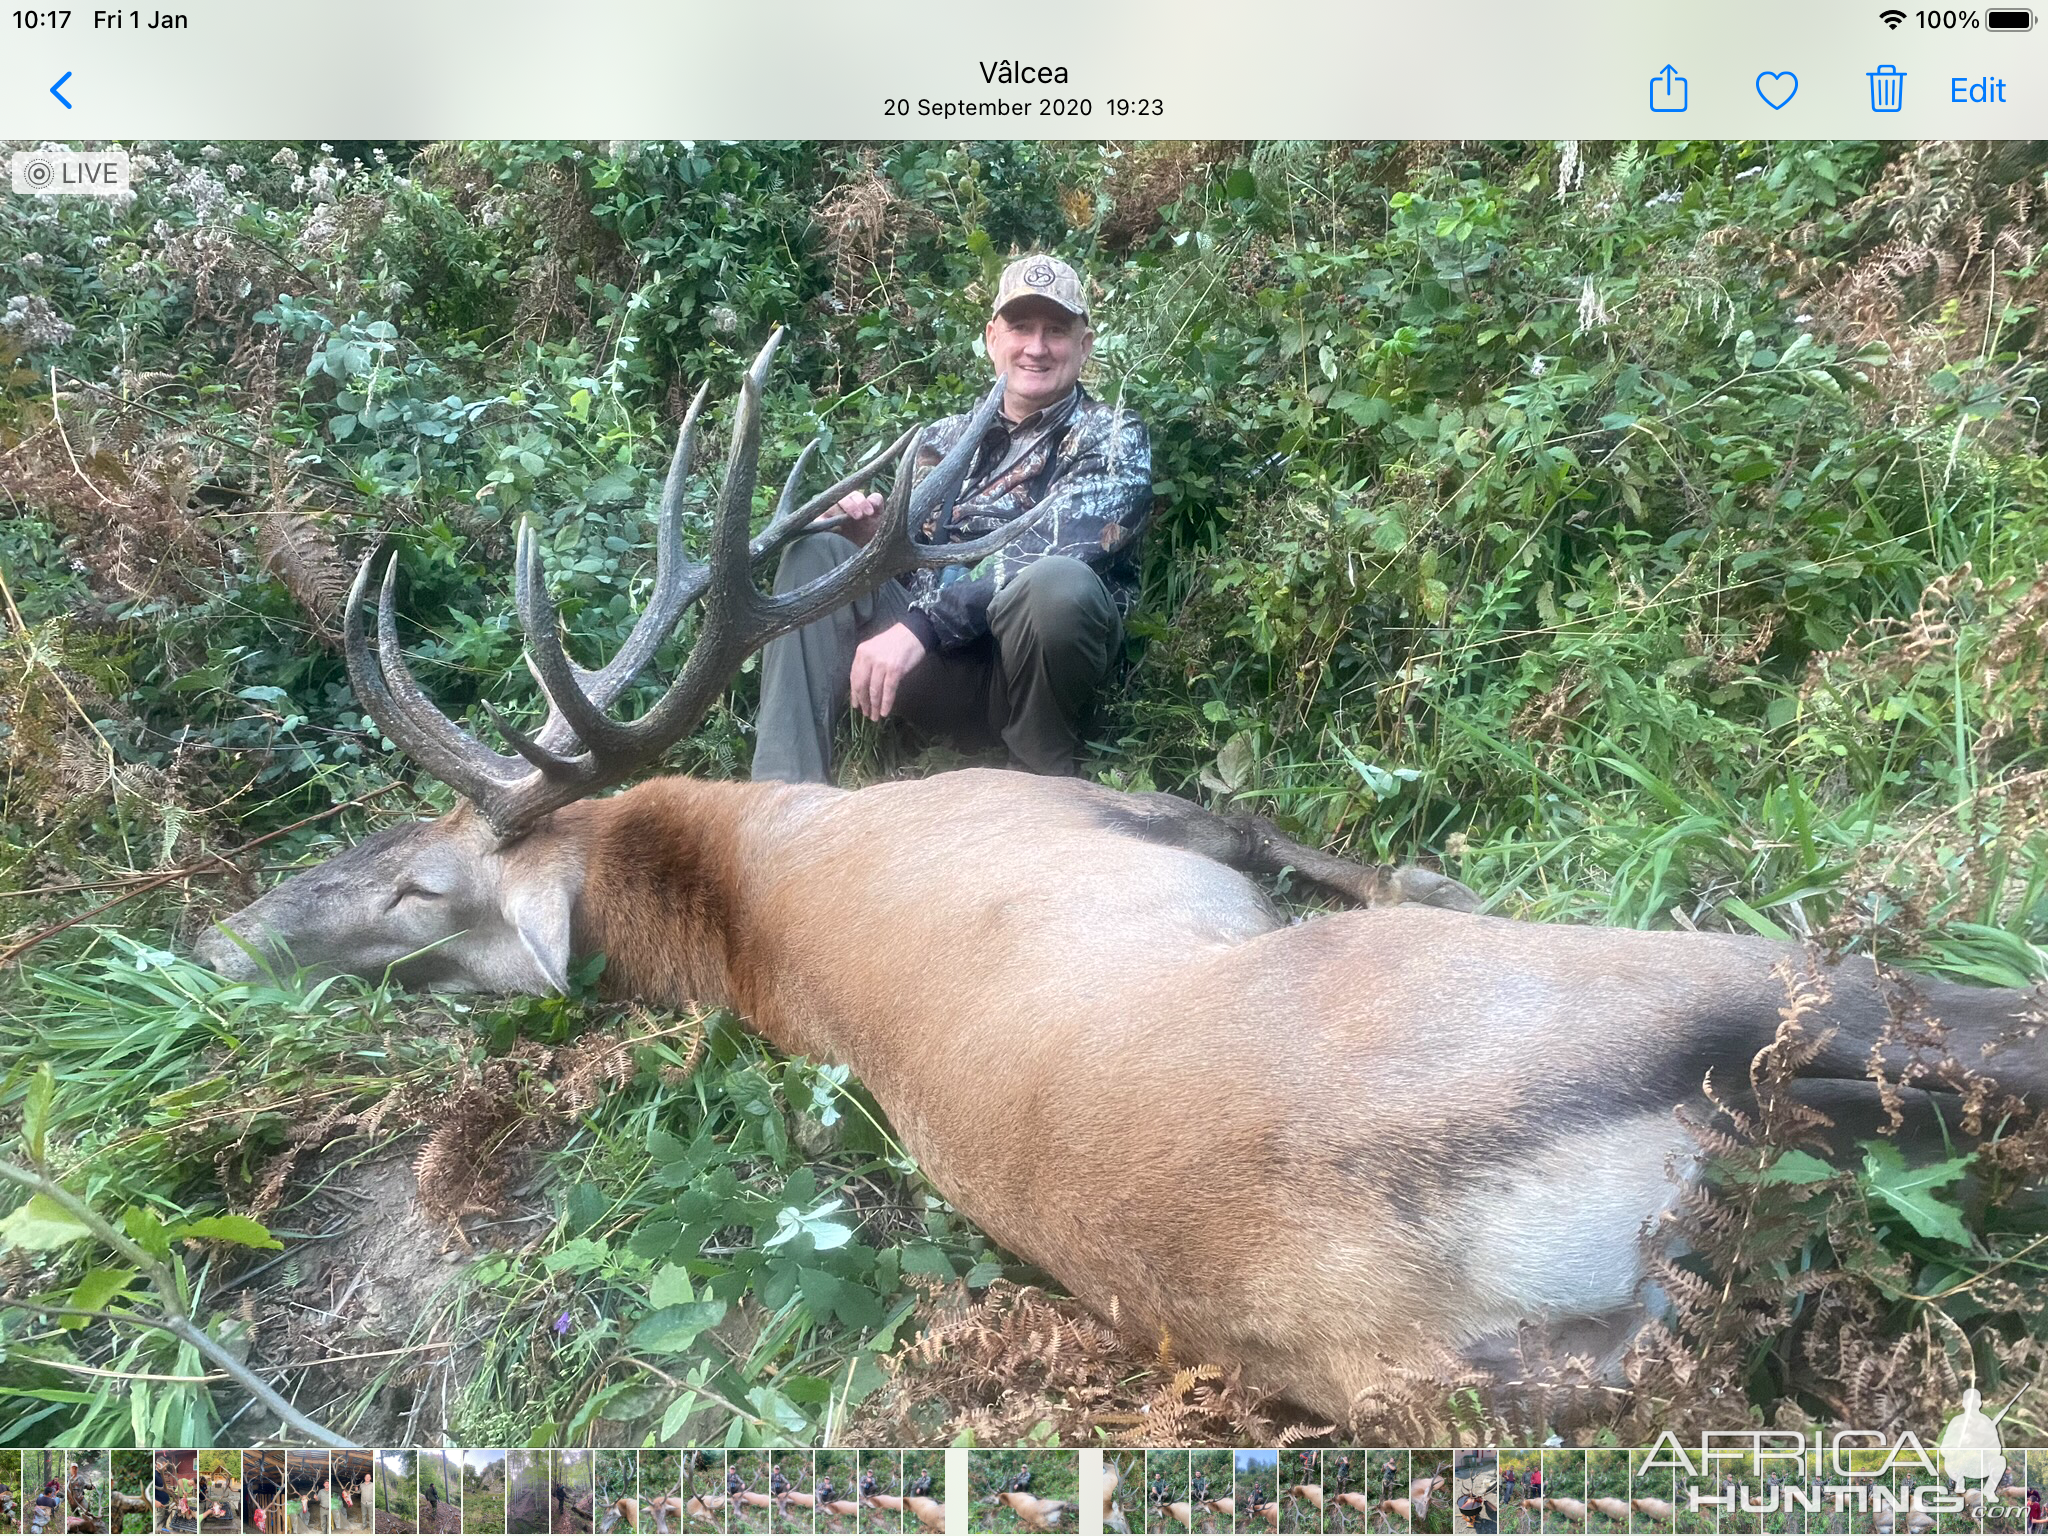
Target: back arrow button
<point>57,90</point>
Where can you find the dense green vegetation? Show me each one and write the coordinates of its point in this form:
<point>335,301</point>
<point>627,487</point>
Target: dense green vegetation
<point>1647,533</point>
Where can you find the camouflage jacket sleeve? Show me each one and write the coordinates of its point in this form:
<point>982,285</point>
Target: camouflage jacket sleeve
<point>1093,509</point>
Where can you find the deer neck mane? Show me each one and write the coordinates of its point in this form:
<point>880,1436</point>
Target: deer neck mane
<point>667,898</point>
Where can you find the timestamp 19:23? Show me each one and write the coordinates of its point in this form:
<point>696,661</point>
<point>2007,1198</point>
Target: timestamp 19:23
<point>1048,106</point>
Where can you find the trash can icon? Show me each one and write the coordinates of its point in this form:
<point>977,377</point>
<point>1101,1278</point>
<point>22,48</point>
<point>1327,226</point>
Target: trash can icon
<point>1887,89</point>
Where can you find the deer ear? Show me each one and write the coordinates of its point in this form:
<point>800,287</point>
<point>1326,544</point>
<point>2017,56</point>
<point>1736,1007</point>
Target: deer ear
<point>540,912</point>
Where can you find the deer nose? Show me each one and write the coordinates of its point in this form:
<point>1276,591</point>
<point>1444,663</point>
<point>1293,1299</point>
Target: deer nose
<point>217,952</point>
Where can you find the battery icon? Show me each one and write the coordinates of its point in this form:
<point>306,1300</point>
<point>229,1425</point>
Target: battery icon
<point>2009,19</point>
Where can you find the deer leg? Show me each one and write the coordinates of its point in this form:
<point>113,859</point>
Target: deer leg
<point>1255,846</point>
<point>1931,1033</point>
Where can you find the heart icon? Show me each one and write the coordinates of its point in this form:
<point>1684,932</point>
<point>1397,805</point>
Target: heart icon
<point>1777,86</point>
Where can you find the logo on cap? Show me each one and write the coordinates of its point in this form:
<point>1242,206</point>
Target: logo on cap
<point>1039,274</point>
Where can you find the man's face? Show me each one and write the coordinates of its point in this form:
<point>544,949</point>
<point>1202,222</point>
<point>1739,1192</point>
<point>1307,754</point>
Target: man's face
<point>1042,348</point>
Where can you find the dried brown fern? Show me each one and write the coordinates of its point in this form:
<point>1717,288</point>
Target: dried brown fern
<point>866,223</point>
<point>468,1159</point>
<point>1950,235</point>
<point>295,543</point>
<point>1017,1358</point>
<point>1142,180</point>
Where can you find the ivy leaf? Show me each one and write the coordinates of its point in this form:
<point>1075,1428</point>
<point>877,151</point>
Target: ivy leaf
<point>1909,1191</point>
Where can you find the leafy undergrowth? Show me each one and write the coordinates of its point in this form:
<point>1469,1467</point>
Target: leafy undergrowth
<point>1646,534</point>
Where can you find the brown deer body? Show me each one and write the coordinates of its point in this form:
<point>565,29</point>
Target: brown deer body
<point>1100,1042</point>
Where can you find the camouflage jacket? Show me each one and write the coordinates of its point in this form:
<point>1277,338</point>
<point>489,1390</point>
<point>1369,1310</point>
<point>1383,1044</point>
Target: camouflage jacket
<point>1087,464</point>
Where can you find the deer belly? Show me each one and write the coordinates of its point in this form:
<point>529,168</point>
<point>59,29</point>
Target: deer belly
<point>1558,1231</point>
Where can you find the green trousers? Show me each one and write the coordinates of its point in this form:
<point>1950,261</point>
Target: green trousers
<point>1029,684</point>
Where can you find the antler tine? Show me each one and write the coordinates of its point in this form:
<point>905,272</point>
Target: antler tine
<point>796,476</point>
<point>546,658</point>
<point>732,560</point>
<point>728,632</point>
<point>546,759</point>
<point>674,591</point>
<point>787,525</point>
<point>389,696</point>
<point>895,547</point>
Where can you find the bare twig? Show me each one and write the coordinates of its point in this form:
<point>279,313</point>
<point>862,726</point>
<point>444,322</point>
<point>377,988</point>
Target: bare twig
<point>165,1284</point>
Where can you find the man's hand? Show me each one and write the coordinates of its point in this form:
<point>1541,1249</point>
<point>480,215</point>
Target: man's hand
<point>860,509</point>
<point>879,667</point>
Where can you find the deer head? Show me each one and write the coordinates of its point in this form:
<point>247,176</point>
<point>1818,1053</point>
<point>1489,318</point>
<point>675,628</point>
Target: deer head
<point>482,899</point>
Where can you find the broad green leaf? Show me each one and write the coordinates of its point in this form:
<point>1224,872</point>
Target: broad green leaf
<point>984,1275</point>
<point>1910,1191</point>
<point>35,1110</point>
<point>674,1329</point>
<point>92,1294</point>
<point>677,1415</point>
<point>828,1295</point>
<point>146,1230</point>
<point>245,1230</point>
<point>1797,1167</point>
<point>41,1224</point>
<point>671,1287</point>
<point>578,1256</point>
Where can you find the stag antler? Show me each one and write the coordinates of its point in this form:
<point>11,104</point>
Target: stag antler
<point>581,748</point>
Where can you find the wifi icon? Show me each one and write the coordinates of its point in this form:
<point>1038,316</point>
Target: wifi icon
<point>1891,18</point>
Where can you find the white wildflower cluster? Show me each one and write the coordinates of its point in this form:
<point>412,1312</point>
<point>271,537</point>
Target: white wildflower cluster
<point>322,231</point>
<point>30,318</point>
<point>321,180</point>
<point>210,152</point>
<point>201,191</point>
<point>235,173</point>
<point>286,157</point>
<point>31,259</point>
<point>1571,167</point>
<point>724,319</point>
<point>1592,312</point>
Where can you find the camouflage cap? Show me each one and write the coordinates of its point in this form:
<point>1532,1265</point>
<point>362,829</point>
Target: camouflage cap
<point>1042,277</point>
